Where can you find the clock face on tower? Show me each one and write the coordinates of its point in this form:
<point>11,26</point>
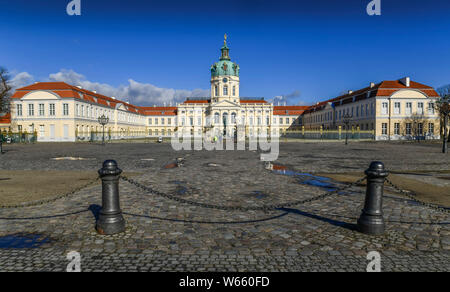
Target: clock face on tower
<point>225,80</point>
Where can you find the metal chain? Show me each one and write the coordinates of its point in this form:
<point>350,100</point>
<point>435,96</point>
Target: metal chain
<point>412,197</point>
<point>238,208</point>
<point>46,201</point>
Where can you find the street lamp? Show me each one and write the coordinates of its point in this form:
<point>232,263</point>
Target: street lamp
<point>444,108</point>
<point>103,120</point>
<point>347,119</point>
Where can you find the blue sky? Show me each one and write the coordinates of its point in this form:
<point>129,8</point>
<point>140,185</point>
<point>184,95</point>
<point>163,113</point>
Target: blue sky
<point>157,51</point>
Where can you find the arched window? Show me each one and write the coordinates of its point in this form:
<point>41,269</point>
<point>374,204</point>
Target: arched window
<point>233,118</point>
<point>225,118</point>
<point>225,90</point>
<point>216,118</point>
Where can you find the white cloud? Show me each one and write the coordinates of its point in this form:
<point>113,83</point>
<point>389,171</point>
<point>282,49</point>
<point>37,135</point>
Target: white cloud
<point>288,99</point>
<point>134,92</point>
<point>21,79</point>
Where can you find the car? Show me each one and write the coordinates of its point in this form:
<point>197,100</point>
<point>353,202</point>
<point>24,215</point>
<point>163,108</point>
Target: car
<point>160,140</point>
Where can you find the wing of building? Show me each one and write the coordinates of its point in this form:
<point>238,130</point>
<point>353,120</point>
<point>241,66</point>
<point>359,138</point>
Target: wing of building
<point>57,111</point>
<point>395,109</point>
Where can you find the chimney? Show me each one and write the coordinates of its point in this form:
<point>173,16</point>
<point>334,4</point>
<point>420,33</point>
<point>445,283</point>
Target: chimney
<point>94,91</point>
<point>406,81</point>
<point>372,85</point>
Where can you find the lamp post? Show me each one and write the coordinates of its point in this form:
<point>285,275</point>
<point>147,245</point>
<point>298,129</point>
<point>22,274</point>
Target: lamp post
<point>444,108</point>
<point>347,119</point>
<point>103,120</point>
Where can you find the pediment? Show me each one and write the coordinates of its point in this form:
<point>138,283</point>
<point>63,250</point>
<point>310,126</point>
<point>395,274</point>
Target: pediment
<point>41,94</point>
<point>225,103</point>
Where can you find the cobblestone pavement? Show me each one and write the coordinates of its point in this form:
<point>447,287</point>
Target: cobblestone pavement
<point>164,235</point>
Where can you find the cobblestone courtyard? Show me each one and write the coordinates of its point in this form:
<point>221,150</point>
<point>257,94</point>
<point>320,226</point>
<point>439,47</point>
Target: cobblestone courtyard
<point>165,235</point>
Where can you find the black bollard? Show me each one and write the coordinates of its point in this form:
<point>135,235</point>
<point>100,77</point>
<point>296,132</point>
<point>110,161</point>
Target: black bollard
<point>371,220</point>
<point>110,220</point>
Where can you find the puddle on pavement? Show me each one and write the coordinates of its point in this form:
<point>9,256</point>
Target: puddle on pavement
<point>72,158</point>
<point>258,195</point>
<point>180,189</point>
<point>22,240</point>
<point>304,178</point>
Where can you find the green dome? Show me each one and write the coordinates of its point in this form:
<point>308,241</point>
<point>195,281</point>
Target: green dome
<point>225,67</point>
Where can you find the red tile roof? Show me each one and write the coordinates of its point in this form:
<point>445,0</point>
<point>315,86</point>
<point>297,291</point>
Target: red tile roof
<point>197,101</point>
<point>5,118</point>
<point>65,90</point>
<point>384,88</point>
<point>253,101</point>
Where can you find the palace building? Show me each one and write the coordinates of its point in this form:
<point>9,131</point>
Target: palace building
<point>57,111</point>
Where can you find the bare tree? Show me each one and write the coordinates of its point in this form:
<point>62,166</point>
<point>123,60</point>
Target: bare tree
<point>443,106</point>
<point>415,126</point>
<point>5,91</point>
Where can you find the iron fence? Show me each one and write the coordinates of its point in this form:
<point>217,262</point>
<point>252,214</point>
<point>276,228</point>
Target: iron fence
<point>329,135</point>
<point>18,137</point>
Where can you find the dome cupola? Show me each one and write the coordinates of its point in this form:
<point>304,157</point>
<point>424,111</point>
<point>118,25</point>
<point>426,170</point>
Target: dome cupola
<point>224,67</point>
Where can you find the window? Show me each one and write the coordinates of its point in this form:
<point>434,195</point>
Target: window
<point>156,121</point>
<point>287,121</point>
<point>162,121</point>
<point>233,118</point>
<point>408,108</point>
<point>169,121</point>
<point>396,108</point>
<point>82,110</point>
<point>234,90</point>
<point>420,129</point>
<point>357,111</point>
<point>216,90</point>
<point>259,121</point>
<point>77,110</point>
<point>371,108</point>
<point>281,121</point>
<point>31,109</point>
<point>397,129</point>
<point>225,90</point>
<point>431,108</point>
<point>384,128</point>
<point>41,109</point>
<point>384,108</point>
<point>420,108</point>
<point>65,109</point>
<point>19,110</point>
<point>216,118</point>
<point>408,129</point>
<point>191,121</point>
<point>150,132</point>
<point>52,109</point>
<point>150,122</point>
<point>199,121</point>
<point>267,120</point>
<point>431,128</point>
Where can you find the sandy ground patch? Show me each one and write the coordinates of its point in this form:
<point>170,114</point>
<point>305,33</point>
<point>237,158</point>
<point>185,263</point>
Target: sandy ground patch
<point>19,186</point>
<point>429,193</point>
